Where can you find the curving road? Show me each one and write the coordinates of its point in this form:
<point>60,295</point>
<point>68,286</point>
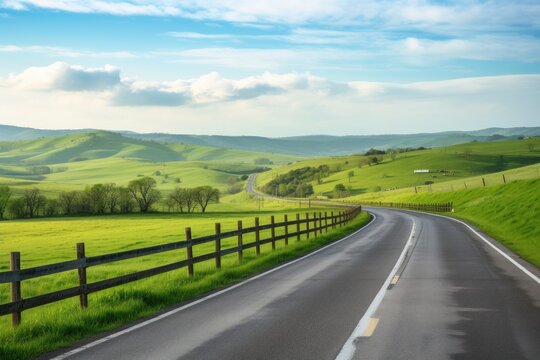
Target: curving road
<point>407,286</point>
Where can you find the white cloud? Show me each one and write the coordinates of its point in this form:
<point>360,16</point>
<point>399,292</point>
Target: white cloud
<point>520,48</point>
<point>61,76</point>
<point>266,104</point>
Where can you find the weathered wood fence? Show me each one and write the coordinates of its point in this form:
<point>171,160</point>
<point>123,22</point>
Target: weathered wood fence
<point>313,224</point>
<point>437,207</point>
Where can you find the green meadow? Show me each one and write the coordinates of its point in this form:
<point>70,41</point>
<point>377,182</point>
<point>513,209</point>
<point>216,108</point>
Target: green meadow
<point>48,240</point>
<point>456,163</point>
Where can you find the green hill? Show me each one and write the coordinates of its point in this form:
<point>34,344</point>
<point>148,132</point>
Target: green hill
<point>311,145</point>
<point>102,144</point>
<point>444,164</point>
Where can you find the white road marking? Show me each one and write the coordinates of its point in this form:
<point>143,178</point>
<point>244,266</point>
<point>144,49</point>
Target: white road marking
<point>211,296</point>
<point>347,351</point>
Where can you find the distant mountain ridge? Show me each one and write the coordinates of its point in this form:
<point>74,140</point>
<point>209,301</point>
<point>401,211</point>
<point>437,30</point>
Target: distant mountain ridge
<point>310,145</point>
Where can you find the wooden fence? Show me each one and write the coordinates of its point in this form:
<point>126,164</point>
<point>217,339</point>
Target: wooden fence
<point>437,207</point>
<point>313,225</point>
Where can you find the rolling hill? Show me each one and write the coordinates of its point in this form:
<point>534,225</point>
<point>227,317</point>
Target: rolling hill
<point>103,144</point>
<point>313,145</point>
<point>455,162</point>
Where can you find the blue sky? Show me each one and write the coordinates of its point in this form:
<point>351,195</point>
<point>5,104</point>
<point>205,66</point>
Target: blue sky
<point>270,67</point>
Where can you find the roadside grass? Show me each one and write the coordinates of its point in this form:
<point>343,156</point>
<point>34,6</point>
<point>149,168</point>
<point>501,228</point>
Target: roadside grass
<point>509,213</point>
<point>60,324</point>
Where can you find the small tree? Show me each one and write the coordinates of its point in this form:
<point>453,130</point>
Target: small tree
<point>112,197</point>
<point>97,198</point>
<point>51,207</point>
<point>204,195</point>
<point>68,202</point>
<point>350,174</point>
<point>339,189</point>
<point>5,195</point>
<point>33,201</point>
<point>183,199</point>
<point>144,192</point>
<point>16,208</point>
<point>126,203</point>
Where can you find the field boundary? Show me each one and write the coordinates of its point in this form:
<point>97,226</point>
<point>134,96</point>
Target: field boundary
<point>314,225</point>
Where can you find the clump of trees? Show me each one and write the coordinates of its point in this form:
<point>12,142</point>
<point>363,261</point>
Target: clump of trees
<point>296,182</point>
<point>140,195</point>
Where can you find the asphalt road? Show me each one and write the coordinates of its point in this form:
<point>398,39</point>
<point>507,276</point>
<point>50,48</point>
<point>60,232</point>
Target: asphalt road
<point>455,298</point>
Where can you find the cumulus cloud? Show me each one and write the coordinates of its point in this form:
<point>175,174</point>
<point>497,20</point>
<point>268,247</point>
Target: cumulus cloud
<point>62,76</point>
<point>209,88</point>
<point>277,104</point>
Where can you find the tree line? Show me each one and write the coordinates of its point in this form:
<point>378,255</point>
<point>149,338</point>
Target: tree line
<point>139,195</point>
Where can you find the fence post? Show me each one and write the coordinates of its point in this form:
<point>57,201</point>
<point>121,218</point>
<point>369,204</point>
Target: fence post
<point>240,241</point>
<point>257,236</point>
<point>332,220</point>
<point>273,231</point>
<point>484,182</point>
<point>83,298</point>
<point>504,179</point>
<point>325,221</point>
<point>297,227</point>
<point>286,220</point>
<point>15,265</point>
<point>320,223</point>
<point>314,224</point>
<point>218,245</point>
<point>307,225</point>
<point>189,251</point>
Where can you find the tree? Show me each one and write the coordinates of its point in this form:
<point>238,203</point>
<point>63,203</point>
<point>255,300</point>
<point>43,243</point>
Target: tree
<point>33,201</point>
<point>339,189</point>
<point>16,208</point>
<point>183,199</point>
<point>51,207</point>
<point>5,195</point>
<point>204,195</point>
<point>68,202</point>
<point>350,174</point>
<point>112,197</point>
<point>97,198</point>
<point>144,193</point>
<point>125,200</point>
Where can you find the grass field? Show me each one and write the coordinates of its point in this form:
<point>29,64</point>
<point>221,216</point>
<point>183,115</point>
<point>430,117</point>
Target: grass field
<point>460,162</point>
<point>49,240</point>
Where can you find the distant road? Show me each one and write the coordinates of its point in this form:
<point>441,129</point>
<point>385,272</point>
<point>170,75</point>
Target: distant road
<point>408,286</point>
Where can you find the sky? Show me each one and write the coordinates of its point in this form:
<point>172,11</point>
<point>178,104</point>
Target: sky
<point>271,68</point>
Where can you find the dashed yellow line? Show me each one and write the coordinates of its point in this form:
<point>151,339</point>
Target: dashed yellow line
<point>371,327</point>
<point>395,280</point>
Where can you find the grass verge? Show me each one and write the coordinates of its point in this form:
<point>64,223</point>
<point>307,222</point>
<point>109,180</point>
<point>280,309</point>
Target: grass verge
<point>61,324</point>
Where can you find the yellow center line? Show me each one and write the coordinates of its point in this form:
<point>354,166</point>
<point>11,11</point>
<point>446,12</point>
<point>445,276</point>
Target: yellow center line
<point>395,280</point>
<point>371,327</point>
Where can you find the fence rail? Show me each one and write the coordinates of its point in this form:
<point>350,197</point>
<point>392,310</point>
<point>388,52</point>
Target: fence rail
<point>437,207</point>
<point>316,224</point>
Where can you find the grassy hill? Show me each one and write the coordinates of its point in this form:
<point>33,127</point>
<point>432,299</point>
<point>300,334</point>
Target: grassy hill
<point>316,145</point>
<point>70,162</point>
<point>102,144</point>
<point>445,164</point>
